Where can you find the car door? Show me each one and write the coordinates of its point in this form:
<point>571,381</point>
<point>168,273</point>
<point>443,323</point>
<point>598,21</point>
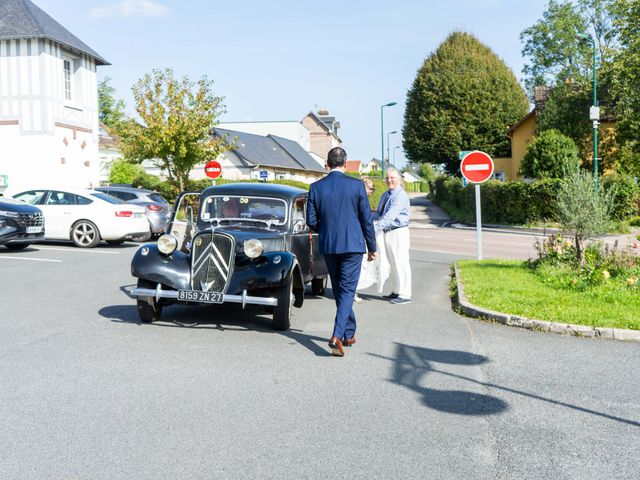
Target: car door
<point>301,237</point>
<point>185,216</point>
<point>59,215</point>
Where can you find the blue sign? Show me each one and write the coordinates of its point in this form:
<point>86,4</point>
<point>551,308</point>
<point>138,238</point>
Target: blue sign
<point>264,174</point>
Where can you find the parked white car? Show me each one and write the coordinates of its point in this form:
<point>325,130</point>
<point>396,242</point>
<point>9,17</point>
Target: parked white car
<point>87,216</point>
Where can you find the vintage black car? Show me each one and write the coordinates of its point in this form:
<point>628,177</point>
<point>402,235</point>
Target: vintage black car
<point>246,243</point>
<point>20,224</point>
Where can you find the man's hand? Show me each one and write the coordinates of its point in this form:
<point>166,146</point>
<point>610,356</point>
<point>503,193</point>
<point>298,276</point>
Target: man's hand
<point>371,256</point>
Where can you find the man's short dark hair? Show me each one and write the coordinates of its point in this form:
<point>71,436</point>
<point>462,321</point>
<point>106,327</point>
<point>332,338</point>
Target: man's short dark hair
<point>337,157</point>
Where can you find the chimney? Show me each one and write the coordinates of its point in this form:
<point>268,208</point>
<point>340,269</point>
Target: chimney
<point>541,93</point>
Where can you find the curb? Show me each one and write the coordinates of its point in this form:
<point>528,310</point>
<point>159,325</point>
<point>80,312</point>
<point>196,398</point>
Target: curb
<point>471,310</point>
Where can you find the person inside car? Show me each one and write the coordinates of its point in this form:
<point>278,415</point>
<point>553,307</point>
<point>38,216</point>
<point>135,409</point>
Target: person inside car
<point>230,209</point>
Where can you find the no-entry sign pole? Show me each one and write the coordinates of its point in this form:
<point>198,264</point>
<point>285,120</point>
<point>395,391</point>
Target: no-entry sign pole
<point>477,168</point>
<point>478,221</point>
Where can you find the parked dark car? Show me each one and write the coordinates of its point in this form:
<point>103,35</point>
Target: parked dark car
<point>244,243</point>
<point>20,224</point>
<point>157,208</point>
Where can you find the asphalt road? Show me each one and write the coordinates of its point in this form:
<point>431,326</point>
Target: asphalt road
<point>89,393</point>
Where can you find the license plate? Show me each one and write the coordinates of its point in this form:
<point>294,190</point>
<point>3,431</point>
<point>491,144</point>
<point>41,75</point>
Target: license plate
<point>138,215</point>
<point>34,229</point>
<point>200,297</point>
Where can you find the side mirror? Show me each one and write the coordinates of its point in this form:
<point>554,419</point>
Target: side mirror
<point>299,225</point>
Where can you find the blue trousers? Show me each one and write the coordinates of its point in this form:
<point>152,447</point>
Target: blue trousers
<point>344,270</point>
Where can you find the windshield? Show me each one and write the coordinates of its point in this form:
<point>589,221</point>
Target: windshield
<point>243,207</point>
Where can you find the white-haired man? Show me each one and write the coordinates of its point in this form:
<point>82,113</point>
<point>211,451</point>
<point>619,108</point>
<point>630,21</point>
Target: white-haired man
<point>393,220</point>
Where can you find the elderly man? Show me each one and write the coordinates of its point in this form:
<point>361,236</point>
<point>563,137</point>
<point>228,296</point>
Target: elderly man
<point>393,220</point>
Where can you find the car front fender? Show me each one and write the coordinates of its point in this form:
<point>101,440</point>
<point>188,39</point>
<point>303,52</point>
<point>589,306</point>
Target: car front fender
<point>150,264</point>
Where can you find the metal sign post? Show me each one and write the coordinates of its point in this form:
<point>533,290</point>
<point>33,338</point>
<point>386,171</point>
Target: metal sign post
<point>477,167</point>
<point>478,221</point>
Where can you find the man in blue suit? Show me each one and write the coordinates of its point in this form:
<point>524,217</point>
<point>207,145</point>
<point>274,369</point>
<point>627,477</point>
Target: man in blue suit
<point>339,211</point>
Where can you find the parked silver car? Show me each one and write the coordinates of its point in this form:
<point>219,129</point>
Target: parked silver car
<point>157,208</point>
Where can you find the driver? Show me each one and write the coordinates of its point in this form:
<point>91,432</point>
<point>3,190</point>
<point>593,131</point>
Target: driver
<point>230,209</point>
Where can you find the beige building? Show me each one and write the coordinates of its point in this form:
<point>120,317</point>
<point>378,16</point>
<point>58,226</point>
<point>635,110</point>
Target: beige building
<point>323,132</point>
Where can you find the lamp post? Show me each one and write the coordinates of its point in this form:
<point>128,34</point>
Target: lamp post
<point>394,155</point>
<point>389,144</point>
<point>594,112</point>
<point>390,104</point>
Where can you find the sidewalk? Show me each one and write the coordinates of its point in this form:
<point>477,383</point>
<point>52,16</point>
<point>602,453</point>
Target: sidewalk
<point>426,214</point>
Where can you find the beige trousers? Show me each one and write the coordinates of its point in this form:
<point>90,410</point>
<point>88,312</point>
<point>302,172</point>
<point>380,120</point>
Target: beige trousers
<point>397,248</point>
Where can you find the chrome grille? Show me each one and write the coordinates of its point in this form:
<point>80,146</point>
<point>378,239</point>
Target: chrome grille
<point>30,220</point>
<point>212,256</point>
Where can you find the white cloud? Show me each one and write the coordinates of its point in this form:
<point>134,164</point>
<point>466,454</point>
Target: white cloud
<point>129,8</point>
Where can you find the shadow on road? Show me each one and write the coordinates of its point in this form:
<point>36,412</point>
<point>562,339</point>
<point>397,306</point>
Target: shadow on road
<point>412,363</point>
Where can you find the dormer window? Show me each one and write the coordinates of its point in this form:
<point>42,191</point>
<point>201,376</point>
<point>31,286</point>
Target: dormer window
<point>67,78</point>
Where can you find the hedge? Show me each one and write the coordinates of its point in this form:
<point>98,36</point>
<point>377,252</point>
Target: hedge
<point>519,203</point>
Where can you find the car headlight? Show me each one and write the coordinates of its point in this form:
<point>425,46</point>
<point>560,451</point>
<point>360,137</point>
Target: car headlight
<point>6,213</point>
<point>253,248</point>
<point>167,244</point>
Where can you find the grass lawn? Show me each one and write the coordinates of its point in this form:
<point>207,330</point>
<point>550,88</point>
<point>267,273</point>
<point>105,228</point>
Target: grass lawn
<point>509,286</point>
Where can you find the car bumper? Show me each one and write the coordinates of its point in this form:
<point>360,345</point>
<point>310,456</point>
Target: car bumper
<point>244,299</point>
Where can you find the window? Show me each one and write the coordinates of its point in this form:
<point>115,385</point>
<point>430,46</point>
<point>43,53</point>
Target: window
<point>298,215</point>
<point>61,198</point>
<point>34,197</point>
<point>67,78</point>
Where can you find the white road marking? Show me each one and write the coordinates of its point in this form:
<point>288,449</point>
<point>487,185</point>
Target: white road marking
<point>2,257</point>
<point>74,249</point>
<point>470,168</point>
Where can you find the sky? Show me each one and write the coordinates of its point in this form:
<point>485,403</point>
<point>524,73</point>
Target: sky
<point>280,59</point>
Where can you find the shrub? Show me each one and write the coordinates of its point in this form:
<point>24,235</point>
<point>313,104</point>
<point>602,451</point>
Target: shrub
<point>550,155</point>
<point>125,172</point>
<point>626,193</point>
<point>582,209</point>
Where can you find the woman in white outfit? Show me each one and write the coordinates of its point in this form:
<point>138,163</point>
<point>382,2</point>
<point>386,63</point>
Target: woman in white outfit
<point>377,271</point>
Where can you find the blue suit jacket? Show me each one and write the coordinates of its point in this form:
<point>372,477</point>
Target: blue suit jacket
<point>339,211</point>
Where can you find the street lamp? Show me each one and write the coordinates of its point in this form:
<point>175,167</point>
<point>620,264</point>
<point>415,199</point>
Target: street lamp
<point>389,144</point>
<point>390,104</point>
<point>394,154</point>
<point>594,112</point>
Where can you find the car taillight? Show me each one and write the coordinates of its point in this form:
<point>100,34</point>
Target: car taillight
<point>124,213</point>
<point>154,208</point>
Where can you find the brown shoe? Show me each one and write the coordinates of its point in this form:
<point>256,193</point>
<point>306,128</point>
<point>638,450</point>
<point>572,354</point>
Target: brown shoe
<point>336,347</point>
<point>347,342</point>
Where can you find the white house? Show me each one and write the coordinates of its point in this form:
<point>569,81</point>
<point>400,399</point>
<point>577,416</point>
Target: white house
<point>48,101</point>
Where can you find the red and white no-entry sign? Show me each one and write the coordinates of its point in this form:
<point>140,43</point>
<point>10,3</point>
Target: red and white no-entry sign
<point>476,167</point>
<point>213,169</point>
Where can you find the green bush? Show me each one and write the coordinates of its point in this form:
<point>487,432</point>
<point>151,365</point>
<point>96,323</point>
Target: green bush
<point>124,172</point>
<point>626,193</point>
<point>550,155</point>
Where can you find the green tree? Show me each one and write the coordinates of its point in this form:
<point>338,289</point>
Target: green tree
<point>583,210</point>
<point>463,98</point>
<point>557,58</point>
<point>110,110</point>
<point>550,155</point>
<point>626,18</point>
<point>124,172</point>
<point>177,116</point>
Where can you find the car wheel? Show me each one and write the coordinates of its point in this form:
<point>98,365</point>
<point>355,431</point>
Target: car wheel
<point>148,308</point>
<point>319,285</point>
<point>115,242</point>
<point>282,311</point>
<point>85,234</point>
<point>17,246</point>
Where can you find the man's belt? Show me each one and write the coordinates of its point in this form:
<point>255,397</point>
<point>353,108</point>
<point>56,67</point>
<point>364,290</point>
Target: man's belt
<point>389,229</point>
